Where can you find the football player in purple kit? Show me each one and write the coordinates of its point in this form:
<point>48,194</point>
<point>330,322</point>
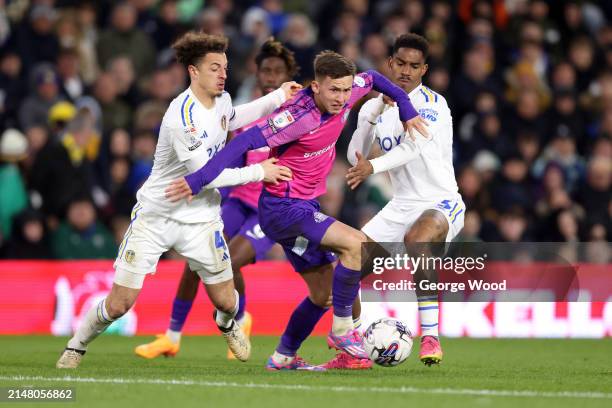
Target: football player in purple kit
<point>302,134</point>
<point>247,242</point>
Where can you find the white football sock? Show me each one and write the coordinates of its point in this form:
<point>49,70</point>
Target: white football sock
<point>174,336</point>
<point>342,325</point>
<point>95,322</point>
<point>428,315</point>
<point>281,359</point>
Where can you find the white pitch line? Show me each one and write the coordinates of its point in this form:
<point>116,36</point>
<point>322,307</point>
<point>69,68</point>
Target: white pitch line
<point>386,390</point>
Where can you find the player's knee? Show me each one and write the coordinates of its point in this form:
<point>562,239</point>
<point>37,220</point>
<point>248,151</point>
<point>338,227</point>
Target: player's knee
<point>117,307</point>
<point>321,297</point>
<point>353,244</point>
<point>225,305</point>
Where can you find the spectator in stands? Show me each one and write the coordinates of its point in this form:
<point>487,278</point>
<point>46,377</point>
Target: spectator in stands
<point>125,38</point>
<point>64,168</point>
<point>12,88</point>
<point>72,85</point>
<point>115,112</point>
<point>81,236</point>
<point>36,42</point>
<point>29,238</point>
<point>596,193</point>
<point>13,197</point>
<point>34,110</point>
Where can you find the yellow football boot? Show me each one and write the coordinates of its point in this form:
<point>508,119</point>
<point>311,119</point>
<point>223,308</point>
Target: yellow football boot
<point>160,346</point>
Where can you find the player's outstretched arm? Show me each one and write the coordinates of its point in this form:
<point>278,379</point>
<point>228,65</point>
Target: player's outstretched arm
<point>364,135</point>
<point>408,115</point>
<point>248,140</point>
<point>250,112</point>
<point>268,171</point>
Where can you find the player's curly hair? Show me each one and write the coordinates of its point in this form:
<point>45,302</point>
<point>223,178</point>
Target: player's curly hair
<point>193,46</point>
<point>331,64</point>
<point>413,41</point>
<point>272,48</point>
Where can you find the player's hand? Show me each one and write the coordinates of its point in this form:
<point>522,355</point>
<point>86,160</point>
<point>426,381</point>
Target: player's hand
<point>290,88</point>
<point>274,174</point>
<point>416,124</point>
<point>179,189</point>
<point>387,101</point>
<point>359,172</point>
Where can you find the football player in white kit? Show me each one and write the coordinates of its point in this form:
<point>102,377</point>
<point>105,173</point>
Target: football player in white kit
<point>193,129</point>
<point>426,205</point>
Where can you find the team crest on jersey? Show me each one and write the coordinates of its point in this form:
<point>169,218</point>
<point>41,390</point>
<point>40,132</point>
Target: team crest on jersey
<point>359,81</point>
<point>281,120</point>
<point>319,217</point>
<point>224,122</point>
<point>429,114</point>
<point>130,256</point>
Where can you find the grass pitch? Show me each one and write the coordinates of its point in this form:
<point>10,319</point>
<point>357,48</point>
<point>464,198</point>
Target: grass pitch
<point>474,373</point>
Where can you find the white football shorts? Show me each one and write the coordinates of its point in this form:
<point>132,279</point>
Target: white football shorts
<point>150,235</point>
<point>393,222</point>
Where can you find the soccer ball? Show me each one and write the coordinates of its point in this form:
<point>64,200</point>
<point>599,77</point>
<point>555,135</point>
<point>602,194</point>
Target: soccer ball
<point>388,342</point>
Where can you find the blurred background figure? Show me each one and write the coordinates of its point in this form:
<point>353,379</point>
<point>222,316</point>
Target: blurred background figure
<point>81,235</point>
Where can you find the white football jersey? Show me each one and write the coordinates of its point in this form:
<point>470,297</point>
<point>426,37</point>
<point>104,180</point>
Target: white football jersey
<point>430,176</point>
<point>189,136</point>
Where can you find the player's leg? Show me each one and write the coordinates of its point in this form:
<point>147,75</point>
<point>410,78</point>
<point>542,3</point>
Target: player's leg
<point>168,344</point>
<point>236,216</point>
<point>100,316</point>
<point>205,248</point>
<point>303,319</point>
<point>428,230</point>
<point>224,298</point>
<point>384,230</point>
<point>242,253</point>
<point>145,240</point>
<point>347,243</point>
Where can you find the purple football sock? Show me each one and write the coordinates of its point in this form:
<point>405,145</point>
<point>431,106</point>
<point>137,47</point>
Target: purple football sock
<point>344,290</point>
<point>180,310</point>
<point>301,324</point>
<point>241,307</point>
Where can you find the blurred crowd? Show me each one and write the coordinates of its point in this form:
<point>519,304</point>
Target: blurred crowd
<point>84,86</point>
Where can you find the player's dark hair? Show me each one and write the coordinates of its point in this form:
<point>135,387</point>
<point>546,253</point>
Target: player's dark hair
<point>192,47</point>
<point>331,64</point>
<point>272,48</point>
<point>413,41</point>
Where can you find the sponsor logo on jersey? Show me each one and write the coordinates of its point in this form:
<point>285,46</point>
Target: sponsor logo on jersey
<point>319,152</point>
<point>194,143</point>
<point>281,120</point>
<point>429,114</point>
<point>359,81</point>
<point>224,122</point>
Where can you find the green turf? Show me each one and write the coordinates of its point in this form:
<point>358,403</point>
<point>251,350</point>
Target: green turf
<point>542,366</point>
